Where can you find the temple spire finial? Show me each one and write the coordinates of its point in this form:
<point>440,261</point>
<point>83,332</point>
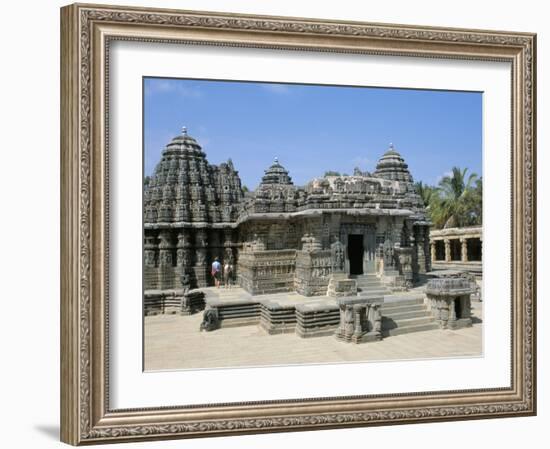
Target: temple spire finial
<point>184,130</point>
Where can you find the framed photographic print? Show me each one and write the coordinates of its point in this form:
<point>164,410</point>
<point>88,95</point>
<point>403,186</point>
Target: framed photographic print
<point>281,224</point>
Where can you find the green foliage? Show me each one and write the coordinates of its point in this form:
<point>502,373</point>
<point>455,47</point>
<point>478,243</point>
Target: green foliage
<point>426,192</point>
<point>332,173</point>
<point>456,201</point>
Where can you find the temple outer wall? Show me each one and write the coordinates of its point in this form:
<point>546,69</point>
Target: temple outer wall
<point>170,253</point>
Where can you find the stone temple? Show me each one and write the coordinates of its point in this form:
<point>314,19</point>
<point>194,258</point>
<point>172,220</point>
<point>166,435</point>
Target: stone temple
<point>281,237</point>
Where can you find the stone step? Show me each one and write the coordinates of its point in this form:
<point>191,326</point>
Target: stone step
<point>365,277</point>
<point>374,286</point>
<point>397,316</point>
<point>409,321</point>
<point>402,302</point>
<point>402,326</point>
<point>410,329</point>
<point>389,311</point>
<point>373,292</point>
<point>370,284</point>
<point>398,298</point>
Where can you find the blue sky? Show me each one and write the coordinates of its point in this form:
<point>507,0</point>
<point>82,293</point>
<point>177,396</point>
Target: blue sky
<point>312,129</point>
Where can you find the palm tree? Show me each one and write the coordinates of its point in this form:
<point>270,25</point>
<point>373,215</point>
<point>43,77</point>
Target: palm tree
<point>456,197</point>
<point>474,202</point>
<point>426,192</point>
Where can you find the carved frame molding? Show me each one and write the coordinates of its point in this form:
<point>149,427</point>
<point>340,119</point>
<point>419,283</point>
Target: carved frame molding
<point>87,31</point>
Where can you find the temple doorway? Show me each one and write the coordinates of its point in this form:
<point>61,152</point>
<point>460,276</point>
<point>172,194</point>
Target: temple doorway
<point>355,253</point>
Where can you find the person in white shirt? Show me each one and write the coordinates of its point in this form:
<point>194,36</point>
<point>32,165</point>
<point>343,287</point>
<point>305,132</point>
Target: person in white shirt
<point>227,274</point>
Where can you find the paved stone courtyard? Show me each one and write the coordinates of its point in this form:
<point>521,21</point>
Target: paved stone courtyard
<point>174,342</point>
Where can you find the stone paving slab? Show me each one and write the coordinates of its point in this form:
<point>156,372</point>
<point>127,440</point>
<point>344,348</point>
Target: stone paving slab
<point>174,342</point>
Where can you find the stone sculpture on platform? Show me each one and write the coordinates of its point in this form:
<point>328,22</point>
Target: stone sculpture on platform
<point>360,319</point>
<point>450,301</point>
<point>210,320</point>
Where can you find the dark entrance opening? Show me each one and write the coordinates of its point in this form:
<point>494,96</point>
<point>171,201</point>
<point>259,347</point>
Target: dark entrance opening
<point>355,253</point>
<point>458,309</point>
<point>456,249</point>
<point>474,249</point>
<point>439,250</point>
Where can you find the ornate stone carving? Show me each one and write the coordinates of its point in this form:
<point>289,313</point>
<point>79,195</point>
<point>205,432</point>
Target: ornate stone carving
<point>388,254</point>
<point>360,319</point>
<point>201,257</point>
<point>450,301</point>
<point>405,261</point>
<point>210,320</point>
<point>337,251</point>
<point>165,249</point>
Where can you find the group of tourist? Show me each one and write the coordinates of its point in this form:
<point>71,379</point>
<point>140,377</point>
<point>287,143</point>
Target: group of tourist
<point>217,273</point>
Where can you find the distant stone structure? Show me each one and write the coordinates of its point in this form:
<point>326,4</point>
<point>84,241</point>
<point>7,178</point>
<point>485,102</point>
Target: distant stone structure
<point>457,248</point>
<point>281,237</point>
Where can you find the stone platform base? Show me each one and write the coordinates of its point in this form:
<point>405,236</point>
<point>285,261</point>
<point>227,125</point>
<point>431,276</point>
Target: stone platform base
<point>192,302</point>
<point>287,313</point>
<point>236,311</point>
<point>277,318</point>
<point>317,318</point>
<point>157,302</point>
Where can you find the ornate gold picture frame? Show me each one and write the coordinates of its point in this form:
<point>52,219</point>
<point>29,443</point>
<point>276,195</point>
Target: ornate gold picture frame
<point>87,31</point>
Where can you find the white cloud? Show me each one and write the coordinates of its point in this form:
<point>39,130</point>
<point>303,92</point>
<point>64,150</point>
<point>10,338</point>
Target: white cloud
<point>280,89</point>
<point>168,86</point>
<point>440,177</point>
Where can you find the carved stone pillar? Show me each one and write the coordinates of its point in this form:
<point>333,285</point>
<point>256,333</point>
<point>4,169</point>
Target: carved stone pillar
<point>183,251</point>
<point>166,274</point>
<point>150,260</point>
<point>432,250</point>
<point>420,253</point>
<point>201,269</point>
<point>464,250</point>
<point>341,325</point>
<point>349,322</point>
<point>447,250</point>
<point>376,319</point>
<point>358,310</point>
<point>180,246</point>
<point>165,249</point>
<point>228,244</point>
<point>150,248</point>
<point>429,258</point>
<point>360,319</point>
<point>481,246</point>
